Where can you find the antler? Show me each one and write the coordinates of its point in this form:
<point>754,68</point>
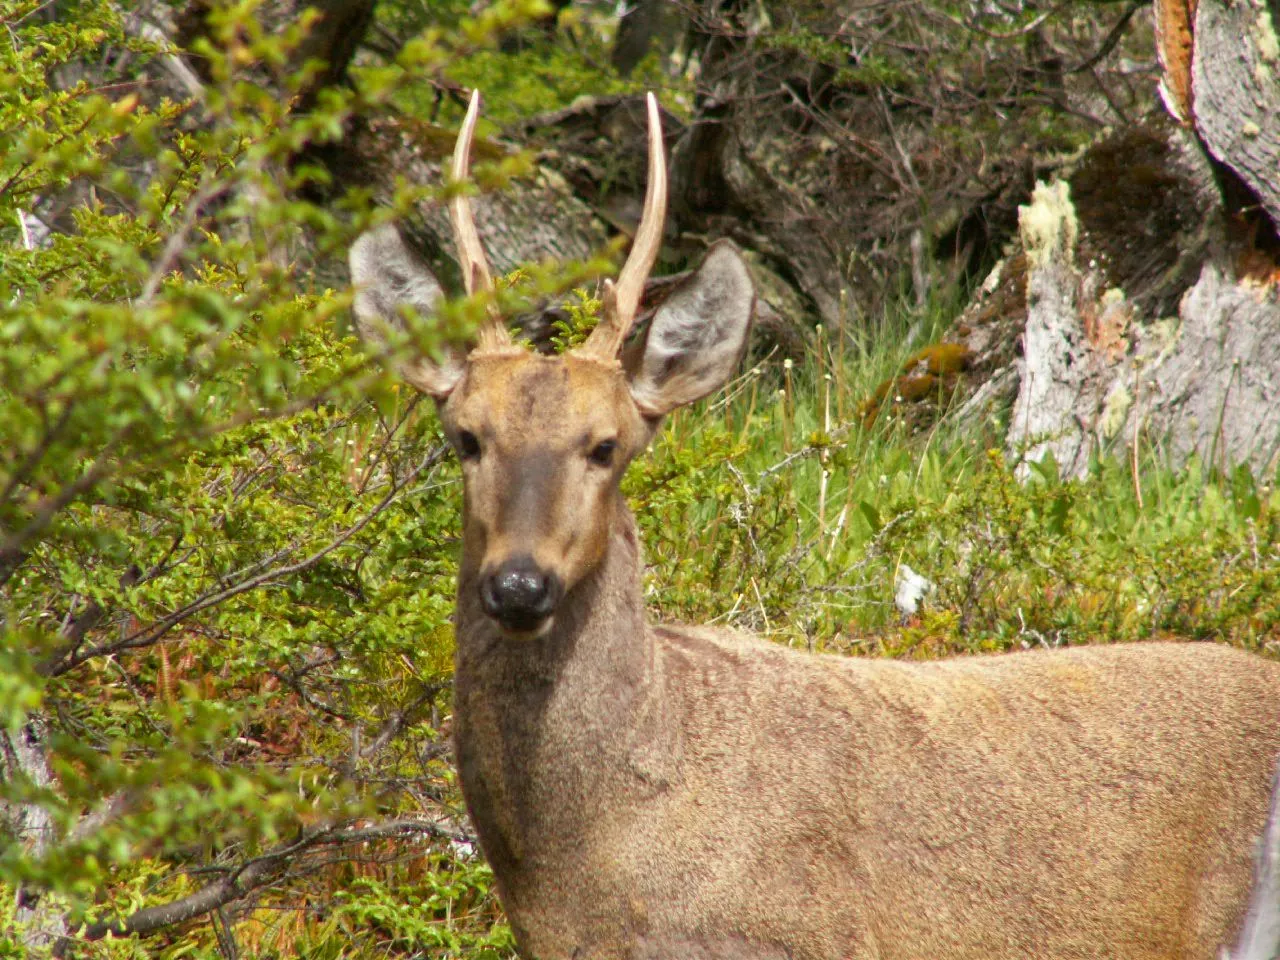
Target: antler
<point>475,268</point>
<point>622,299</point>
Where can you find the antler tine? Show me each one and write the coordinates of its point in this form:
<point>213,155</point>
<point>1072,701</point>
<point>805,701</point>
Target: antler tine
<point>475,267</point>
<point>623,298</point>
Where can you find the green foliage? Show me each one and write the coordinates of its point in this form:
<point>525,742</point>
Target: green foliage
<point>224,571</point>
<point>529,82</point>
<point>805,541</point>
<point>545,70</point>
<point>227,537</point>
<point>583,315</point>
<point>440,914</point>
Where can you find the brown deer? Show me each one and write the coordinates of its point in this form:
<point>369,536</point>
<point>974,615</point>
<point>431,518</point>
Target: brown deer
<point>685,793</point>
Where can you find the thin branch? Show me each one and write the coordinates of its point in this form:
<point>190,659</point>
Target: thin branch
<point>253,875</point>
<point>1012,34</point>
<point>79,626</point>
<point>1112,39</point>
<point>393,726</point>
<point>209,191</point>
<point>13,551</point>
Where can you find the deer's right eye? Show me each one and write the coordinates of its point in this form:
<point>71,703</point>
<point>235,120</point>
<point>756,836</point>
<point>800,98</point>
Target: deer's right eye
<point>602,453</point>
<point>468,445</point>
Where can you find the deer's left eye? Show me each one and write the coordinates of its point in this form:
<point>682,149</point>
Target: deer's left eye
<point>602,453</point>
<point>468,445</point>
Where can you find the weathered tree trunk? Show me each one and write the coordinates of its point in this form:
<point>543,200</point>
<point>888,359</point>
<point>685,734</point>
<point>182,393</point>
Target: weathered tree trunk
<point>24,755</point>
<point>1096,372</point>
<point>1109,360</point>
<point>1221,66</point>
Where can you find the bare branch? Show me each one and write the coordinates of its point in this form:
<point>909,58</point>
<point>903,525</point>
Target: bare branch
<point>1112,38</point>
<point>255,874</point>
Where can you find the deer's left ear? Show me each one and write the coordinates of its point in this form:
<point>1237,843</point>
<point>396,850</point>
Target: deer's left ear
<point>697,337</point>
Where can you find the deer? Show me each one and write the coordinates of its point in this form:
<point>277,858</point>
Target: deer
<point>669,792</point>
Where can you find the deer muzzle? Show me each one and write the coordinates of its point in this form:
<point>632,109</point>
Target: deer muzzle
<point>519,595</point>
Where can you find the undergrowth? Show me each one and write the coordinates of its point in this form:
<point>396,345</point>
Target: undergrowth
<point>777,509</point>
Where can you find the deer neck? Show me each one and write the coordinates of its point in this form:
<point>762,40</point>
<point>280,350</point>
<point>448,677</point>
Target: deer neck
<point>545,727</point>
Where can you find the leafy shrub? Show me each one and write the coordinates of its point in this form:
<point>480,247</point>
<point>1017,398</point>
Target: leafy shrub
<point>226,536</point>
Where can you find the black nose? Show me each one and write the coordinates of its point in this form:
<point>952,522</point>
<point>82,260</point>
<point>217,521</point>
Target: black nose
<point>519,595</point>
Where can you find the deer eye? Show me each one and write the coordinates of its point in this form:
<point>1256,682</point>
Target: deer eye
<point>468,445</point>
<point>602,453</point>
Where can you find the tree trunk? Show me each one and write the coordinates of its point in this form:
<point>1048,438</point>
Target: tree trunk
<point>1111,357</point>
<point>1235,87</point>
<point>24,756</point>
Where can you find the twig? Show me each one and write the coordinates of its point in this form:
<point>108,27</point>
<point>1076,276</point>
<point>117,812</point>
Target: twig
<point>1011,35</point>
<point>1112,38</point>
<point>252,875</point>
<point>210,190</point>
<point>392,727</point>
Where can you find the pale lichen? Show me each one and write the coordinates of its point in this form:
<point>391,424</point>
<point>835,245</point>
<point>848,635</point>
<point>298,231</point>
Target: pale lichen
<point>1264,34</point>
<point>1158,340</point>
<point>1267,44</point>
<point>1115,410</point>
<point>1048,225</point>
<point>992,283</point>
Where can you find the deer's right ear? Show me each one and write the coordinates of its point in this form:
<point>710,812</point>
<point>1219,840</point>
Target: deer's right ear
<point>387,275</point>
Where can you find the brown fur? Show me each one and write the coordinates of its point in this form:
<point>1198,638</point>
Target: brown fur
<point>676,793</point>
<point>679,792</point>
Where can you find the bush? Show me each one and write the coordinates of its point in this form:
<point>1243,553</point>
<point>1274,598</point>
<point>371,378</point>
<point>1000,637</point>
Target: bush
<point>225,534</point>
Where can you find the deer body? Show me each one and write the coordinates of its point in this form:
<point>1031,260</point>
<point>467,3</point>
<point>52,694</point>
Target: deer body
<point>675,793</point>
<point>686,793</point>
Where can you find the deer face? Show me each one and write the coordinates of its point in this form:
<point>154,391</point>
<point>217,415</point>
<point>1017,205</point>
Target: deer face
<point>543,441</point>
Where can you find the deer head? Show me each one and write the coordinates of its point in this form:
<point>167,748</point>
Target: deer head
<point>543,441</point>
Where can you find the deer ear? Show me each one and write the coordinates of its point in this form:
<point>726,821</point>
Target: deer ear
<point>698,335</point>
<point>387,275</point>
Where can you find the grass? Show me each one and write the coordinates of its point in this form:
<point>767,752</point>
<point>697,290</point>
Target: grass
<point>776,508</point>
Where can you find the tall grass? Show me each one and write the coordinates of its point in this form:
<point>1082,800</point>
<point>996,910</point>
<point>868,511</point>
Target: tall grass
<point>787,507</point>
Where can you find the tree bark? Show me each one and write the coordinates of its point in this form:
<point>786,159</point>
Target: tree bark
<point>1111,358</point>
<point>1098,374</point>
<point>1235,89</point>
<point>24,755</point>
